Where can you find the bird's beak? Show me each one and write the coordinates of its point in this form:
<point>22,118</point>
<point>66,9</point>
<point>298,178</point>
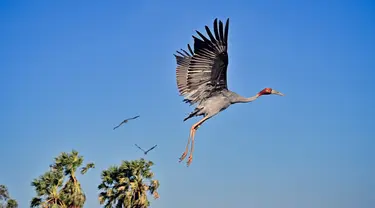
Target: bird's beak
<point>277,93</point>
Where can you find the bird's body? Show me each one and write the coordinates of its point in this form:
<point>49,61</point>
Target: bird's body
<point>217,103</point>
<point>201,77</point>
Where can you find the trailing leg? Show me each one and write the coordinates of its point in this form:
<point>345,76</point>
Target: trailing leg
<point>193,130</point>
<point>187,147</point>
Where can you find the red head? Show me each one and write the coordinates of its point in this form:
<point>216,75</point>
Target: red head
<point>269,91</point>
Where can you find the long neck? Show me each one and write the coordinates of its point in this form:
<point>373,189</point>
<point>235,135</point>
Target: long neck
<point>241,99</point>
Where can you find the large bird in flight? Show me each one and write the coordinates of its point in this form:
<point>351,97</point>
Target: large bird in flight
<point>145,152</point>
<point>125,121</point>
<point>201,77</point>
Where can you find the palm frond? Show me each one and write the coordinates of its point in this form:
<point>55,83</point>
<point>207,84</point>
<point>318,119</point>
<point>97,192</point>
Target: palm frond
<point>87,167</point>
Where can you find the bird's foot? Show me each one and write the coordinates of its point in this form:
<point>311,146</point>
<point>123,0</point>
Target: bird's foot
<point>190,159</point>
<point>183,156</point>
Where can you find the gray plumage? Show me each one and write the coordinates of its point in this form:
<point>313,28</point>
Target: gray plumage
<point>202,77</point>
<point>181,71</point>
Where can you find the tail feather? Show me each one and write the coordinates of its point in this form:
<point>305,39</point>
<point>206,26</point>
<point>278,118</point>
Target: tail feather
<point>192,114</point>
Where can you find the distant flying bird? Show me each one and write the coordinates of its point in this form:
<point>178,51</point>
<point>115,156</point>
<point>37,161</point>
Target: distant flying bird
<point>125,121</point>
<point>201,77</point>
<point>145,152</point>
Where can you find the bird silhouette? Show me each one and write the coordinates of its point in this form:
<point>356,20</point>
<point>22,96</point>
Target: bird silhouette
<point>145,152</point>
<point>125,121</point>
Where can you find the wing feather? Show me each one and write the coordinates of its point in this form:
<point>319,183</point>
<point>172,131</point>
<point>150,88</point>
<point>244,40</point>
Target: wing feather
<point>221,31</point>
<point>181,71</point>
<point>216,31</point>
<point>207,72</point>
<point>226,32</point>
<point>204,70</point>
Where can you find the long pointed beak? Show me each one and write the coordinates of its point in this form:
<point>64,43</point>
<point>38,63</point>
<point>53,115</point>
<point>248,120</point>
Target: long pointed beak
<point>277,93</point>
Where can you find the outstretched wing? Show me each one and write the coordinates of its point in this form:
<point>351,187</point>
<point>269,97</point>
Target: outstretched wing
<point>151,148</point>
<point>183,60</point>
<point>207,71</point>
<point>133,118</point>
<point>139,147</point>
<point>124,121</point>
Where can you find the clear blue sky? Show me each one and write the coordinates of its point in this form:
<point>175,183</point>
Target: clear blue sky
<point>71,70</point>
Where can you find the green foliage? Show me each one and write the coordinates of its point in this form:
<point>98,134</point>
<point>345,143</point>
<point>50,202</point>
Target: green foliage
<point>12,204</point>
<point>127,185</point>
<point>5,200</point>
<point>4,194</point>
<point>87,167</point>
<point>47,188</point>
<point>51,189</point>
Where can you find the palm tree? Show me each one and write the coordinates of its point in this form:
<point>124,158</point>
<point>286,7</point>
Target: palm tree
<point>127,185</point>
<point>12,203</point>
<point>60,194</point>
<point>5,200</point>
<point>69,164</point>
<point>47,188</point>
<point>4,194</point>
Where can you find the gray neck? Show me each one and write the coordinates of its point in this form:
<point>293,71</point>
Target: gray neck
<point>240,99</point>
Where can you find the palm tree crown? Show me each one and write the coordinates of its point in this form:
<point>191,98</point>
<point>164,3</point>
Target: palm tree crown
<point>127,185</point>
